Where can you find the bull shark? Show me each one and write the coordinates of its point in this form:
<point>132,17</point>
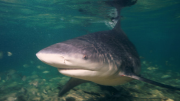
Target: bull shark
<point>105,57</point>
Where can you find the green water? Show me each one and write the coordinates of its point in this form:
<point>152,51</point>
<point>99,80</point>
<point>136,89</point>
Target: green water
<point>26,26</point>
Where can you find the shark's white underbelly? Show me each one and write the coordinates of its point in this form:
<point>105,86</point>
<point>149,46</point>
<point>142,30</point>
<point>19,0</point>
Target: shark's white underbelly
<point>103,78</point>
<point>109,81</point>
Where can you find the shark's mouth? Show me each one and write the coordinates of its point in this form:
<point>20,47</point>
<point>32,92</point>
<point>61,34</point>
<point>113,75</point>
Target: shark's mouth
<point>73,69</point>
<point>70,69</point>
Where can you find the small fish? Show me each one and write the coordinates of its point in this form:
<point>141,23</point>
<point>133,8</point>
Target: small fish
<point>9,54</point>
<point>45,72</point>
<point>1,54</point>
<point>25,65</point>
<point>34,83</point>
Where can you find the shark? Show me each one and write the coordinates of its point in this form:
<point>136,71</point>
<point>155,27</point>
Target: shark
<point>106,57</point>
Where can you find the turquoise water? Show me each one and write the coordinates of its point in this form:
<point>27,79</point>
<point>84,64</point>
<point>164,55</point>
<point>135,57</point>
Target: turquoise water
<point>28,26</point>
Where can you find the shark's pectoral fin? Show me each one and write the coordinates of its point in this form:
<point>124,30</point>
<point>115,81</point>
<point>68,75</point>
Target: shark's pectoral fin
<point>110,89</point>
<point>70,84</point>
<point>153,82</point>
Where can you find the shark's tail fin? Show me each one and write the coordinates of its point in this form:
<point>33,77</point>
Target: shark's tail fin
<point>119,4</point>
<point>153,82</point>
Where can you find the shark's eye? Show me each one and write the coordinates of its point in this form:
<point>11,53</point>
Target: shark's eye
<point>85,57</point>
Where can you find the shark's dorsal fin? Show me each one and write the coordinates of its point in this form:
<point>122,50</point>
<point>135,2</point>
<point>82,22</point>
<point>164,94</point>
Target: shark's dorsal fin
<point>117,26</point>
<point>153,82</point>
<point>119,4</point>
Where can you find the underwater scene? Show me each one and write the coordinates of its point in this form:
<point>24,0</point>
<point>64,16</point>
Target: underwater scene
<point>28,26</point>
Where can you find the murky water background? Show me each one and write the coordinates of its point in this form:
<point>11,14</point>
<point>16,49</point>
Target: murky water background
<point>26,26</point>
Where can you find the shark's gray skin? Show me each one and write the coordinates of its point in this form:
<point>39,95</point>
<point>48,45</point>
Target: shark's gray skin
<point>105,57</point>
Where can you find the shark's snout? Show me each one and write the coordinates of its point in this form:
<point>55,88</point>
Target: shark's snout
<point>50,58</point>
<point>39,55</point>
